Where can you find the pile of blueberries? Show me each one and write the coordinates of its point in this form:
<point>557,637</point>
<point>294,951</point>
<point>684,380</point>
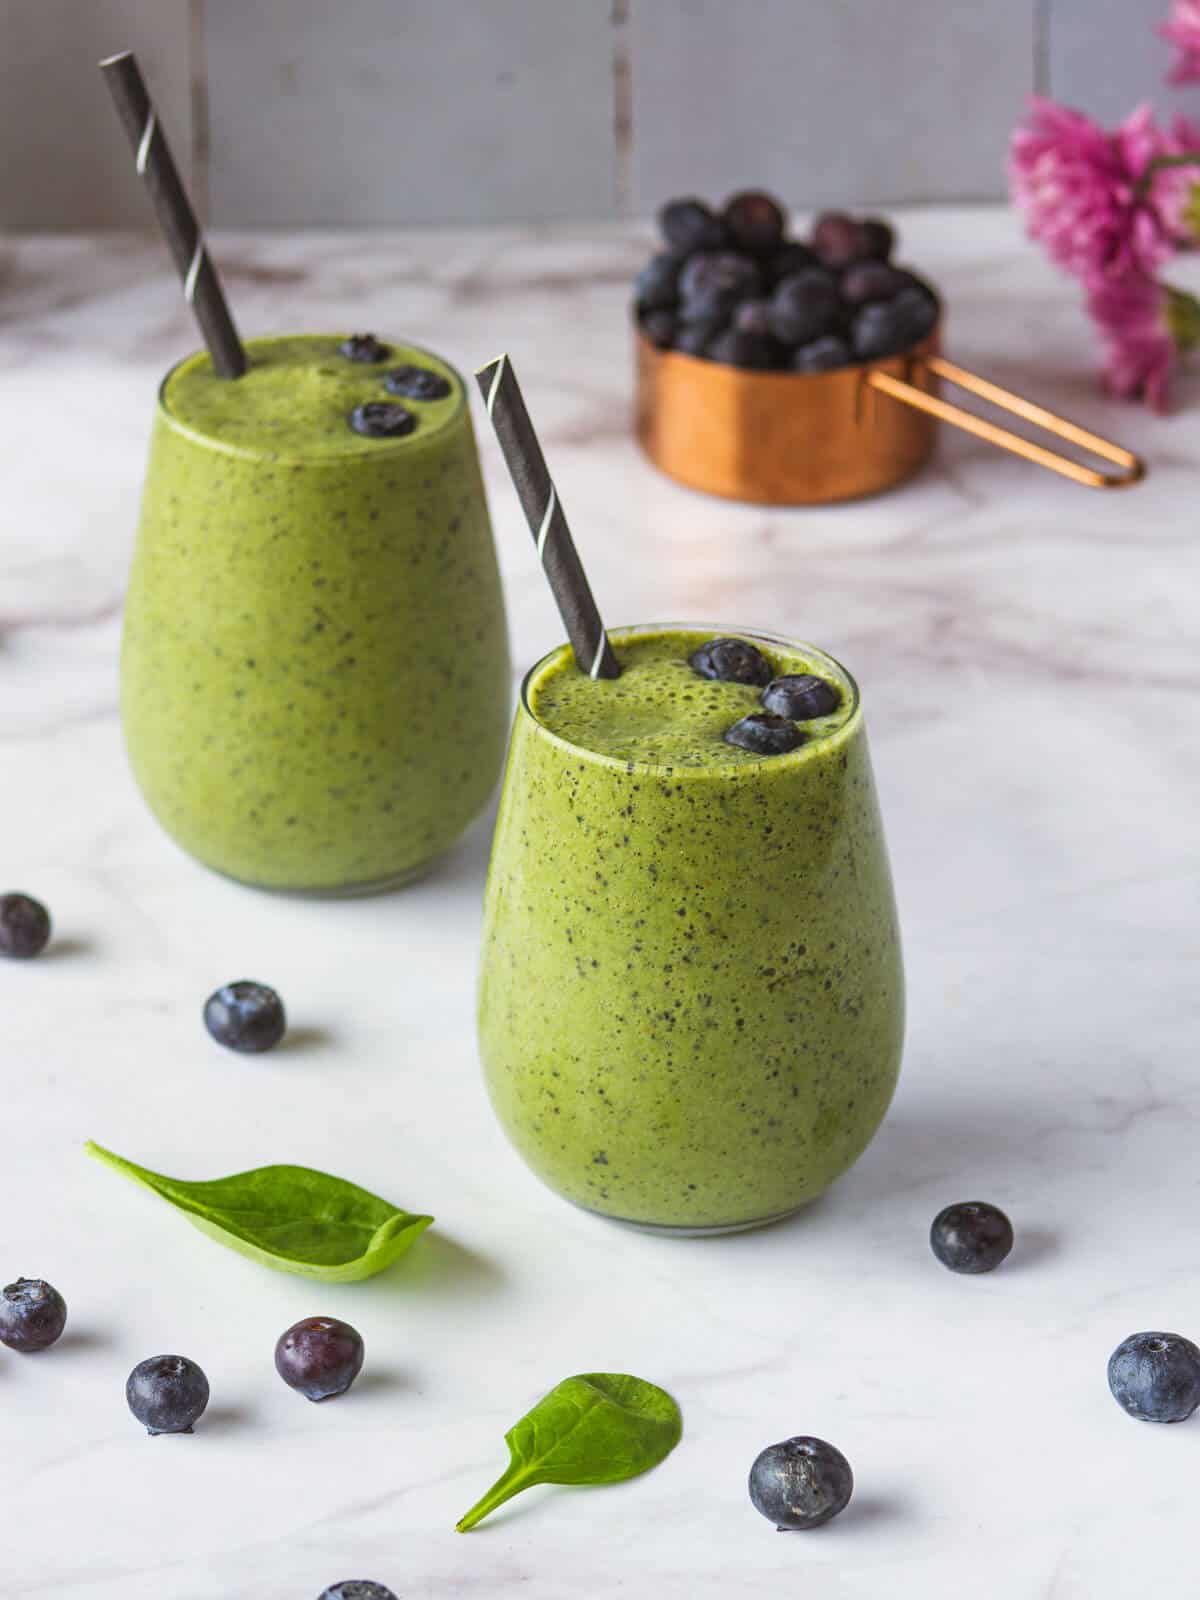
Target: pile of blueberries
<point>730,286</point>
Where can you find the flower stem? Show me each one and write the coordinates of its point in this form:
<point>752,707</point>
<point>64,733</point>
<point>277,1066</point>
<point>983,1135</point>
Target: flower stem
<point>1161,164</point>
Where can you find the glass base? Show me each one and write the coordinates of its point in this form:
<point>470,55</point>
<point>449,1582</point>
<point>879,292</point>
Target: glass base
<point>349,891</point>
<point>682,1231</point>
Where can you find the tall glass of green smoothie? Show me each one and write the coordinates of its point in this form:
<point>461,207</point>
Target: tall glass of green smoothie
<point>691,994</point>
<point>315,678</point>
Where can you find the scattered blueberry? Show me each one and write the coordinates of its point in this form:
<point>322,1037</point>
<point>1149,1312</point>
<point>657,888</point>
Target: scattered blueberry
<point>825,354</point>
<point>363,347</point>
<point>1156,1376</point>
<point>24,926</point>
<point>689,225</point>
<point>731,661</point>
<point>245,1016</point>
<point>838,239</point>
<point>871,280</point>
<point>659,328</point>
<point>416,383</point>
<point>800,1483</point>
<point>801,696</point>
<point>804,306</point>
<point>878,237</point>
<point>656,287</point>
<point>737,349</point>
<point>167,1394</point>
<point>32,1315</point>
<point>791,258</point>
<point>356,1589</point>
<point>971,1237</point>
<point>712,283</point>
<point>319,1356</point>
<point>694,338</point>
<point>755,221</point>
<point>765,734</point>
<point>382,419</point>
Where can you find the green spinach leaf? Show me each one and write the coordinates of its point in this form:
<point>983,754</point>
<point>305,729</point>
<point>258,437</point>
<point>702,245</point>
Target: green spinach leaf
<point>600,1427</point>
<point>291,1218</point>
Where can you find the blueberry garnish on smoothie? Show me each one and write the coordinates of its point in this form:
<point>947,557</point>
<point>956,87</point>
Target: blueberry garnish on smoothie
<point>381,419</point>
<point>416,383</point>
<point>364,348</point>
<point>801,696</point>
<point>765,734</point>
<point>731,661</point>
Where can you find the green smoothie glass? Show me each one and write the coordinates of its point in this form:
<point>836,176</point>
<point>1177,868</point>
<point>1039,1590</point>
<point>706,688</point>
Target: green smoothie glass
<point>691,995</point>
<point>315,675</point>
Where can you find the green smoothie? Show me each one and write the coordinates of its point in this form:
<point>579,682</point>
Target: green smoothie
<point>315,677</point>
<point>691,995</point>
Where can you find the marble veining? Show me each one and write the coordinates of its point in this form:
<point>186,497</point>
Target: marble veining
<point>1027,654</point>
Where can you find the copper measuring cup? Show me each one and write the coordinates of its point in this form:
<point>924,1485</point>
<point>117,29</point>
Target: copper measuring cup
<point>785,438</point>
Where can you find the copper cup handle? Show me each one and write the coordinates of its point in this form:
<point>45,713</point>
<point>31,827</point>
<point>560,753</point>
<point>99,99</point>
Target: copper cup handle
<point>1132,467</point>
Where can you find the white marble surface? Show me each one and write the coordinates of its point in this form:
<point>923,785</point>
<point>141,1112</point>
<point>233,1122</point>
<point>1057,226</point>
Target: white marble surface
<point>1028,654</point>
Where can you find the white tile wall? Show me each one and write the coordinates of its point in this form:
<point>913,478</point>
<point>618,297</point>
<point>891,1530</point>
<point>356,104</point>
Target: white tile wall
<point>395,111</point>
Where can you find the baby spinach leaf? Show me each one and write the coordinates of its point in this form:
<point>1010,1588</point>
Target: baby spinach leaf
<point>291,1218</point>
<point>600,1427</point>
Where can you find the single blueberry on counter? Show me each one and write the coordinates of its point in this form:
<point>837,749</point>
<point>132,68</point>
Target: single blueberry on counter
<point>382,419</point>
<point>800,1483</point>
<point>32,1315</point>
<point>416,383</point>
<point>167,1394</point>
<point>688,225</point>
<point>656,287</point>
<point>24,926</point>
<point>245,1016</point>
<point>356,1589</point>
<point>319,1356</point>
<point>1155,1377</point>
<point>971,1237</point>
<point>731,661</point>
<point>755,221</point>
<point>801,696</point>
<point>765,734</point>
<point>363,347</point>
<point>825,354</point>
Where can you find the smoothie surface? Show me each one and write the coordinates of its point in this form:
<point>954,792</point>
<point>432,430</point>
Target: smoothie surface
<point>296,397</point>
<point>660,712</point>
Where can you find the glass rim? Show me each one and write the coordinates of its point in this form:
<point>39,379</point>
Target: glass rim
<point>723,771</point>
<point>370,449</point>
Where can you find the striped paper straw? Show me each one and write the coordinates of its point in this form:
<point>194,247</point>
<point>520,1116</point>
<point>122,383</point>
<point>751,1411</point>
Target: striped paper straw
<point>153,163</point>
<point>544,513</point>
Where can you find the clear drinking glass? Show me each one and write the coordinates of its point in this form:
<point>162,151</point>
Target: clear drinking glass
<point>315,673</point>
<point>691,994</point>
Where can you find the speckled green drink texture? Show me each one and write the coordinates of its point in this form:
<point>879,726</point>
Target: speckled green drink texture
<point>691,996</point>
<point>315,675</point>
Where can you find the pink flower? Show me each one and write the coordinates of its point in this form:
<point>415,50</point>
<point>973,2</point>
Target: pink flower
<point>1140,350</point>
<point>1182,28</point>
<point>1079,187</point>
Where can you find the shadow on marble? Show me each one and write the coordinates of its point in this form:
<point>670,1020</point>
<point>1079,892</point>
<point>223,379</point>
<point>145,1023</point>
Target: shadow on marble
<point>440,1264</point>
<point>78,1341</point>
<point>871,1510</point>
<point>67,948</point>
<point>303,1040</point>
<point>467,862</point>
<point>221,1418</point>
<point>1031,1248</point>
<point>378,1380</point>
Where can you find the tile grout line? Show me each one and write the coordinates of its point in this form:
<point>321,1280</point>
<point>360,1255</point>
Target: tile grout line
<point>198,98</point>
<point>622,74</point>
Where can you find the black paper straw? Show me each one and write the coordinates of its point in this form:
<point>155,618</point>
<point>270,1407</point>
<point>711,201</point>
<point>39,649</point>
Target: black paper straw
<point>544,513</point>
<point>152,161</point>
